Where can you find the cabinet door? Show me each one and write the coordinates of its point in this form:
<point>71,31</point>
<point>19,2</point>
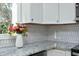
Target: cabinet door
<point>25,9</point>
<point>50,13</point>
<point>23,12</point>
<point>36,12</point>
<point>67,12</point>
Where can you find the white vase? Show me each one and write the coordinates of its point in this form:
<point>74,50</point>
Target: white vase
<point>19,41</point>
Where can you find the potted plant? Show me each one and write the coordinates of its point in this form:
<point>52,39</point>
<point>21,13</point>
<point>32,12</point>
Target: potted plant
<point>20,31</point>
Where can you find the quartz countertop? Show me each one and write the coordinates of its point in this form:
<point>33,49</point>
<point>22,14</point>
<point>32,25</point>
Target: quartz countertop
<point>35,47</point>
<point>65,45</point>
<point>27,49</point>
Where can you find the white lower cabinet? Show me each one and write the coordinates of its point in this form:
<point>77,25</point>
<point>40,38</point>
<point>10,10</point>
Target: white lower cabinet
<point>56,52</point>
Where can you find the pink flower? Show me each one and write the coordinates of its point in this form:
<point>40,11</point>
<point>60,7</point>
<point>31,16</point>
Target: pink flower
<point>12,27</point>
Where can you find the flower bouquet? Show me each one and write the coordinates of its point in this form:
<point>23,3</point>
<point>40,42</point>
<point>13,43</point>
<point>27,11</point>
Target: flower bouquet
<point>19,30</point>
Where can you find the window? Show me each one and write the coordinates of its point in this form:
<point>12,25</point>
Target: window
<point>8,15</point>
<point>5,12</point>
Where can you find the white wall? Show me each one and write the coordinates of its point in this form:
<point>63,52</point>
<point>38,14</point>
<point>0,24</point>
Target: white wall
<point>64,33</point>
<point>36,33</point>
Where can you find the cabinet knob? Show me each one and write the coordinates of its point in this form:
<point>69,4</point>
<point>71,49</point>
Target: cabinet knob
<point>32,19</point>
<point>57,21</point>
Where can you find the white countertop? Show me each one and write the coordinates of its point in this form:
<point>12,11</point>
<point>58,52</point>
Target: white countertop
<point>28,49</point>
<point>32,48</point>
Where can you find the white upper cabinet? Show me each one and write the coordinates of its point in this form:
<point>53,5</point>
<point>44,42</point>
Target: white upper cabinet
<point>59,13</point>
<point>67,13</point>
<point>46,13</point>
<point>50,13</point>
<point>25,13</point>
<point>36,12</point>
<point>30,12</point>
